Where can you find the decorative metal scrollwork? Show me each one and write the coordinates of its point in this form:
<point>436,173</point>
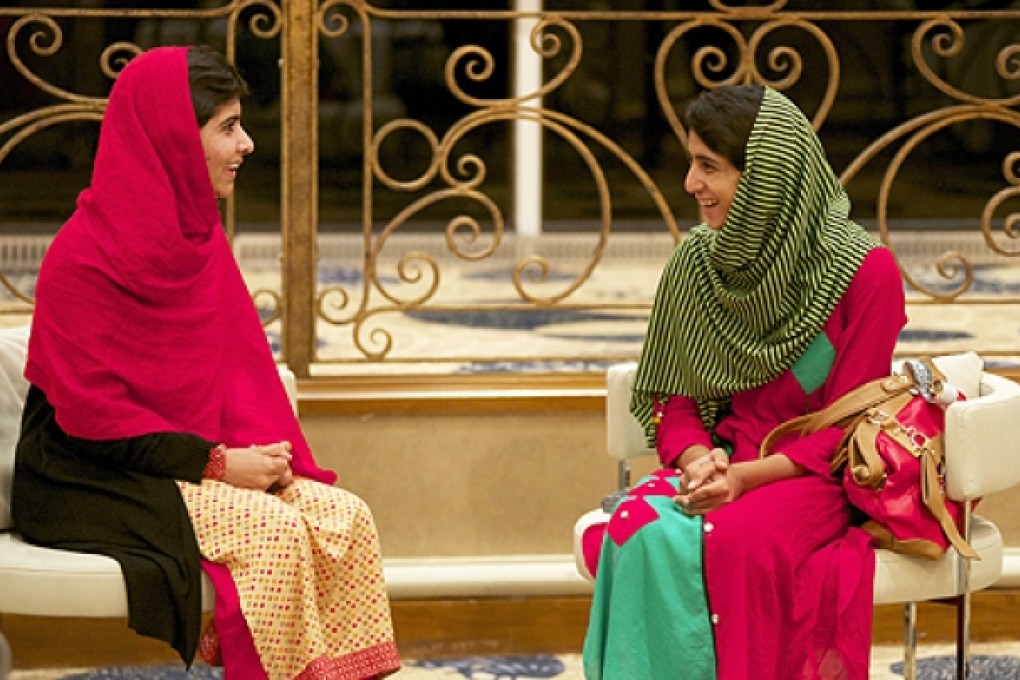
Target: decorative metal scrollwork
<point>801,52</point>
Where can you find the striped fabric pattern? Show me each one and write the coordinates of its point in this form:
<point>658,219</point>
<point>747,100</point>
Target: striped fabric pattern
<point>736,307</point>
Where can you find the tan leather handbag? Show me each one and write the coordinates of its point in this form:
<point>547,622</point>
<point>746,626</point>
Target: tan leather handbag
<point>891,458</point>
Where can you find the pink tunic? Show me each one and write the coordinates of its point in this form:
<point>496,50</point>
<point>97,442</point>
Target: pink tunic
<point>777,584</point>
<point>789,581</point>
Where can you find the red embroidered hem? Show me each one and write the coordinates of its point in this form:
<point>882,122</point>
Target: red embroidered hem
<point>372,662</point>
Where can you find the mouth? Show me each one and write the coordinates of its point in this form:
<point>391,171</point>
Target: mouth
<point>711,212</point>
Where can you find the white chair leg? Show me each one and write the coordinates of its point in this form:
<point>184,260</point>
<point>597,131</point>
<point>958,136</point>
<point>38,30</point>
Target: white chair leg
<point>910,641</point>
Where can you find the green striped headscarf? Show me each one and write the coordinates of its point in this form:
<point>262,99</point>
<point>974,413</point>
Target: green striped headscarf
<point>737,307</point>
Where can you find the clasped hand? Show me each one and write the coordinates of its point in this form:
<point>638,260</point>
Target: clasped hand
<point>263,467</point>
<point>707,483</point>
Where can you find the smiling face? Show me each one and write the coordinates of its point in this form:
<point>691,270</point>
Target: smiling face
<point>712,179</point>
<point>225,144</point>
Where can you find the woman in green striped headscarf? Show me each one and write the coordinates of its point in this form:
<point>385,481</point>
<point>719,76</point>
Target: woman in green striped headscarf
<point>724,564</point>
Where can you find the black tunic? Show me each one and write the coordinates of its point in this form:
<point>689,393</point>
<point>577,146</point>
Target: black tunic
<point>117,498</point>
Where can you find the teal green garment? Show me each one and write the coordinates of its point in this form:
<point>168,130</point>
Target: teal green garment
<point>661,581</point>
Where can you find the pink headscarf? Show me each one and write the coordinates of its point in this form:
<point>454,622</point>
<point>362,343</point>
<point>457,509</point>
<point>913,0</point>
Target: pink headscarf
<point>143,322</point>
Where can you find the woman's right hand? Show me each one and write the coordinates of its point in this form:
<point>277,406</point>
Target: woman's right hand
<point>705,470</point>
<point>258,467</point>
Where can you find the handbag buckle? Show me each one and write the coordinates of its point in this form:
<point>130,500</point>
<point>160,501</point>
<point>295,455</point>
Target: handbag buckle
<point>926,384</point>
<point>883,420</point>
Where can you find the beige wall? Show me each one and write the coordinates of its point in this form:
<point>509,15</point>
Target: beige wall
<point>1001,508</point>
<point>449,482</point>
<point>457,485</point>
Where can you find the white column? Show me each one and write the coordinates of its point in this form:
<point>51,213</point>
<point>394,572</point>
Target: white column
<point>527,160</point>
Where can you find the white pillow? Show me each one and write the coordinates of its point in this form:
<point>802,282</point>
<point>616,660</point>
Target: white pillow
<point>13,388</point>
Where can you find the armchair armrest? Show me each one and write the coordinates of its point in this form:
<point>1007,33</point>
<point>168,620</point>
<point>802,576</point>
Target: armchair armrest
<point>982,440</point>
<point>289,384</point>
<point>625,439</point>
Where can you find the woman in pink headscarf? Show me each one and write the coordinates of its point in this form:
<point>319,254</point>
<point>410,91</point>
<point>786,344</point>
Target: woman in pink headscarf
<point>157,430</point>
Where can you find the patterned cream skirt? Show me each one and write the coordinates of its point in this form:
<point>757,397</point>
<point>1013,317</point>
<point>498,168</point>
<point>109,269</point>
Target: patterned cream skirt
<point>308,572</point>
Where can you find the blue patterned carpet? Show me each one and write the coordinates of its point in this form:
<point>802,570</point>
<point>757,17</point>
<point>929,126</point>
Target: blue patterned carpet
<point>565,667</point>
<point>981,668</point>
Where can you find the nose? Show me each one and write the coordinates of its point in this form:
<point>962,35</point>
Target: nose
<point>246,145</point>
<point>692,180</point>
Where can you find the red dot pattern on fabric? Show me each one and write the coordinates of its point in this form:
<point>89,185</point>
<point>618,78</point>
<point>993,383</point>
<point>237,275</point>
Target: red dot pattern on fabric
<point>306,564</point>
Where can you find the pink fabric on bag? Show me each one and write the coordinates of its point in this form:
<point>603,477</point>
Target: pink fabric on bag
<point>898,503</point>
<point>143,322</point>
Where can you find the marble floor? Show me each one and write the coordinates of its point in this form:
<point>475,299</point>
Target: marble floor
<point>475,320</point>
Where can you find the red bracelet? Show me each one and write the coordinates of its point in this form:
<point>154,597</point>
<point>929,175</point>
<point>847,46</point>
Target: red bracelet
<point>217,465</point>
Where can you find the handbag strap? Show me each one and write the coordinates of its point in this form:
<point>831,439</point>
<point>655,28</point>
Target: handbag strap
<point>859,451</point>
<point>934,500</point>
<point>841,412</point>
<point>851,406</point>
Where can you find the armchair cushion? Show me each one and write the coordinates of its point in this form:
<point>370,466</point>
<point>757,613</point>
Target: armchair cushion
<point>901,578</point>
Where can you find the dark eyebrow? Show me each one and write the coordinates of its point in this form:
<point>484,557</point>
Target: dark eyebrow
<point>229,122</point>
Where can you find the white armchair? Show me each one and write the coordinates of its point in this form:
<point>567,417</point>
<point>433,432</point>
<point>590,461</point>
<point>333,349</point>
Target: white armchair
<point>982,442</point>
<point>37,581</point>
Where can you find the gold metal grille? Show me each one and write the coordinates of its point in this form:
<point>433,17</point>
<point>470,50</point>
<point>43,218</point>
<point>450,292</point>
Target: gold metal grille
<point>959,70</point>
